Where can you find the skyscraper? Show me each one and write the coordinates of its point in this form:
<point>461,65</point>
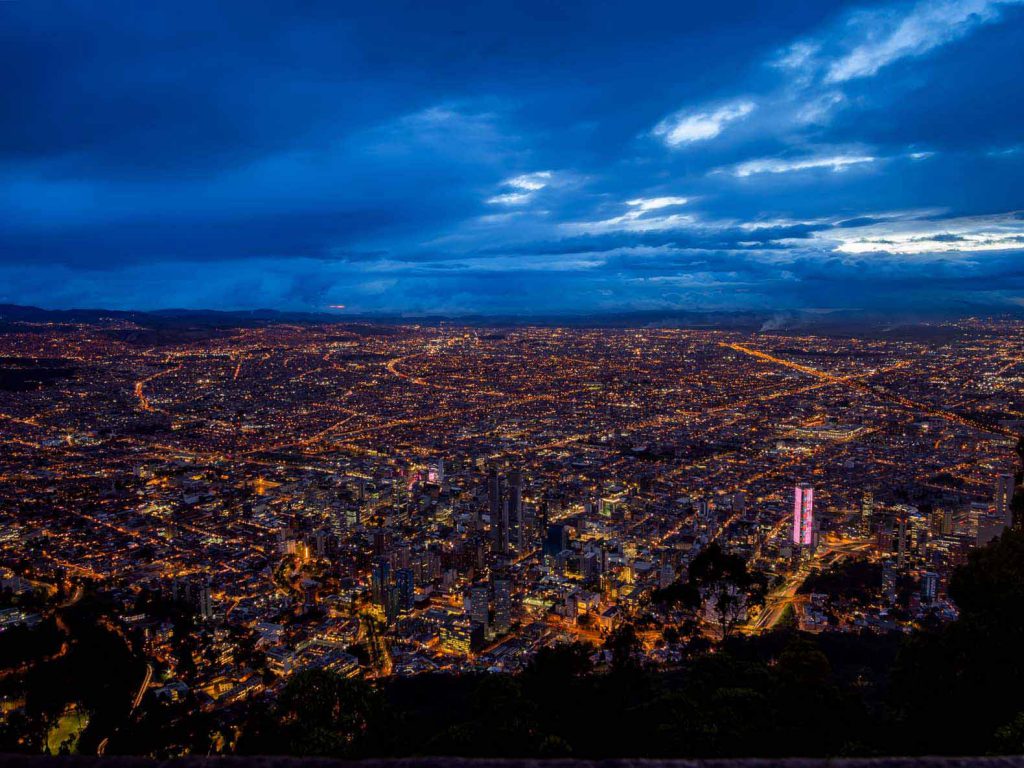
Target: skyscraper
<point>514,500</point>
<point>902,518</point>
<point>494,493</point>
<point>380,578</point>
<point>478,606</point>
<point>405,582</point>
<point>497,506</point>
<point>803,515</point>
<point>502,605</point>
<point>947,521</point>
<point>929,587</point>
<point>202,605</point>
<point>193,594</point>
<point>1003,497</point>
<point>501,527</point>
<point>867,510</point>
<point>505,504</point>
<point>391,603</point>
<point>556,540</point>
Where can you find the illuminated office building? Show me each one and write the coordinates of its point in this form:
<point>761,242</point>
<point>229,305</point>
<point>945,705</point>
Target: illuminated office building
<point>1003,497</point>
<point>803,515</point>
<point>867,511</point>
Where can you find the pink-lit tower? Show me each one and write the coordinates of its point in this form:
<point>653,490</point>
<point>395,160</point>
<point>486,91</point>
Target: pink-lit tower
<point>803,515</point>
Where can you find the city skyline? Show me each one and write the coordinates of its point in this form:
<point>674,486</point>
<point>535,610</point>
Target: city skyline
<point>204,526</point>
<point>552,380</point>
<point>514,159</point>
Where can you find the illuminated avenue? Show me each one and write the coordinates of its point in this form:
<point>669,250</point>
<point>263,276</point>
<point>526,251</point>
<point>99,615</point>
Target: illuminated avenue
<point>395,500</point>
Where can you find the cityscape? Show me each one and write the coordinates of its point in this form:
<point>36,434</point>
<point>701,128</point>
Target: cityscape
<point>245,505</point>
<point>554,384</point>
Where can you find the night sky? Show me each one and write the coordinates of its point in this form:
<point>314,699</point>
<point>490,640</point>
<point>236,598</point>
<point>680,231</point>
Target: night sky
<point>549,157</point>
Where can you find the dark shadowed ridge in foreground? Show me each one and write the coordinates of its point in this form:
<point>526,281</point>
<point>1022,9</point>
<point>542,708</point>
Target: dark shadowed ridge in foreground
<point>22,761</point>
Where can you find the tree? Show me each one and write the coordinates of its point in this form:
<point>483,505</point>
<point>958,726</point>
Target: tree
<point>319,713</point>
<point>326,714</point>
<point>856,581</point>
<point>725,585</point>
<point>971,671</point>
<point>623,644</point>
<point>561,662</point>
<point>681,594</point>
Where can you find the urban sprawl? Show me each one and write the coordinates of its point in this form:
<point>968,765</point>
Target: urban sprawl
<point>397,500</point>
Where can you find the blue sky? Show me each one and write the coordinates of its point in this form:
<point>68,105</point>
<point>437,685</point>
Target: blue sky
<point>513,158</point>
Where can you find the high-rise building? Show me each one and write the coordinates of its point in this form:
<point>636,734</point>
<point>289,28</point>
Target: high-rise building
<point>803,515</point>
<point>929,587</point>
<point>391,603</point>
<point>454,634</point>
<point>702,509</point>
<point>497,506</point>
<point>405,582</point>
<point>201,602</point>
<point>867,511</point>
<point>501,527</point>
<point>1004,497</point>
<point>479,597</point>
<point>509,528</point>
<point>555,540</point>
<point>514,500</point>
<point>194,595</point>
<point>494,493</point>
<point>738,501</point>
<point>502,605</point>
<point>310,594</point>
<point>380,578</point>
<point>901,538</point>
<point>947,521</point>
<point>666,575</point>
<point>381,541</point>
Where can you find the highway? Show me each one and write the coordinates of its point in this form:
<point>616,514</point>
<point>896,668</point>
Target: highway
<point>142,689</point>
<point>785,595</point>
<point>892,397</point>
<point>101,748</point>
<point>140,385</point>
<point>74,597</point>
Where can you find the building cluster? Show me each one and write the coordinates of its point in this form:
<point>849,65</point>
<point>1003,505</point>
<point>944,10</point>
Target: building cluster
<point>402,500</point>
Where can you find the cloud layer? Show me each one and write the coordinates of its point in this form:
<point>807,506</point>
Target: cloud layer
<point>523,158</point>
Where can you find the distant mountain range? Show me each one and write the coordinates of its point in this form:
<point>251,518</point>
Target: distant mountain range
<point>833,322</point>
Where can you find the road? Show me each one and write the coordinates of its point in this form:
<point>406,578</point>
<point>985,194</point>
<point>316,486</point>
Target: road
<point>75,596</point>
<point>369,633</point>
<point>785,595</point>
<point>65,645</point>
<point>101,748</point>
<point>142,689</point>
<point>140,391</point>
<point>892,397</point>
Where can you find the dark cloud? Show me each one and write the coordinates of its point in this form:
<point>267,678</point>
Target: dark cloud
<point>238,154</point>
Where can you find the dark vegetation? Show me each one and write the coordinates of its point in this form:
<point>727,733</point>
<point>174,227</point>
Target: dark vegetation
<point>23,374</point>
<point>85,663</point>
<point>850,581</point>
<point>21,645</point>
